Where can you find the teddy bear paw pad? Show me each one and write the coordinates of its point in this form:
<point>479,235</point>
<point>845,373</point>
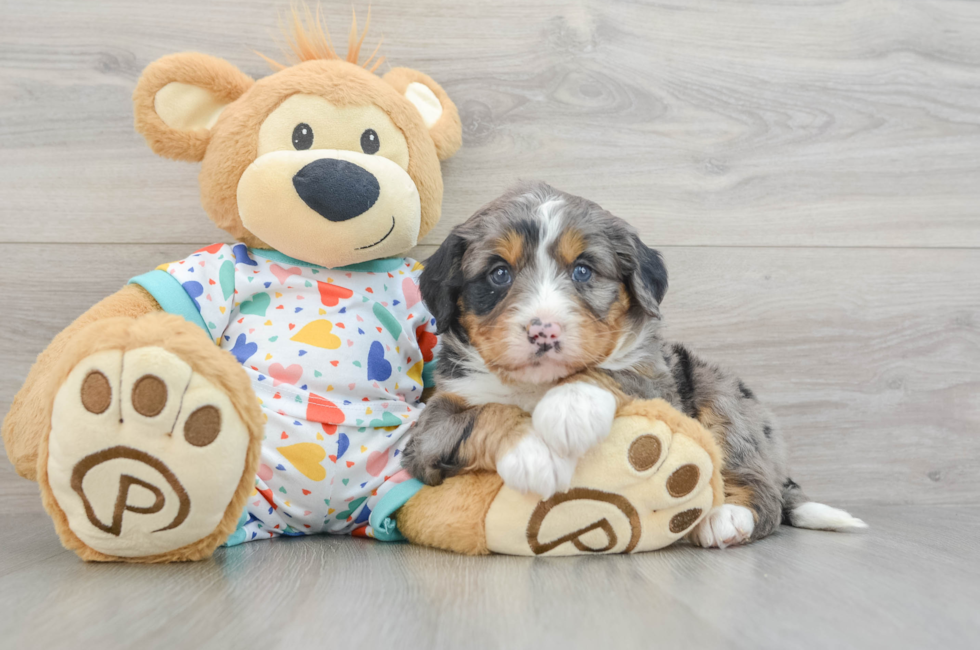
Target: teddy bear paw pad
<point>642,488</point>
<point>144,454</point>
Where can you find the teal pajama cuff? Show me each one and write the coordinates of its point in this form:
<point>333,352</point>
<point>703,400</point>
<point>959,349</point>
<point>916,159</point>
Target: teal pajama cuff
<point>238,537</point>
<point>170,295</point>
<point>382,517</point>
<point>429,374</point>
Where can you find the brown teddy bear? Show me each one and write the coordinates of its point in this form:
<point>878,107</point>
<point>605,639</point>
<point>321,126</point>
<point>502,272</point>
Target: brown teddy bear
<point>267,387</point>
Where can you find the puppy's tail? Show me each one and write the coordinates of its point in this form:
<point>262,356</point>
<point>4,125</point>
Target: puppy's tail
<point>800,512</point>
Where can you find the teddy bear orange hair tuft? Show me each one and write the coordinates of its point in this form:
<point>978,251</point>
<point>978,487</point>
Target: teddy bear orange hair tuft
<point>308,39</point>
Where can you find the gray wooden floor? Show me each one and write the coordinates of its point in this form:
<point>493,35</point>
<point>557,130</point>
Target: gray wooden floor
<point>912,581</point>
<point>811,172</point>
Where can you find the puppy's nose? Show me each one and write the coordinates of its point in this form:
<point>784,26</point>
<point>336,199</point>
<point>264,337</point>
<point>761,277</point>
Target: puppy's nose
<point>543,334</point>
<point>337,190</point>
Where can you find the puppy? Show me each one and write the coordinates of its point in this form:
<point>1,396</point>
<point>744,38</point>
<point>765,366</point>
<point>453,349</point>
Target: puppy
<point>550,306</point>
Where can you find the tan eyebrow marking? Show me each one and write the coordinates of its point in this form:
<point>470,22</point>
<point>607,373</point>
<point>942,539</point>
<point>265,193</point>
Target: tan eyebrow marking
<point>571,244</point>
<point>511,247</point>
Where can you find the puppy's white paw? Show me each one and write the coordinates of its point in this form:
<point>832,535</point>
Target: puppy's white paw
<point>574,417</point>
<point>726,525</point>
<point>532,467</point>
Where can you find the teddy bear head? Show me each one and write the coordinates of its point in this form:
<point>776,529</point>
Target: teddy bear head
<point>323,160</point>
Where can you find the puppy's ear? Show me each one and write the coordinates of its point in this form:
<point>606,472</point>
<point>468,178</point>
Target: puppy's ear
<point>648,277</point>
<point>442,281</point>
<point>179,98</point>
<point>433,104</point>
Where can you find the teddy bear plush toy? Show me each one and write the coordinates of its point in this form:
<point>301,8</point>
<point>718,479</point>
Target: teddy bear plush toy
<point>266,388</point>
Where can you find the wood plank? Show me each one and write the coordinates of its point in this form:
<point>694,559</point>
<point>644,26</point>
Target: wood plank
<point>870,357</point>
<point>35,540</point>
<point>772,123</point>
<point>910,582</point>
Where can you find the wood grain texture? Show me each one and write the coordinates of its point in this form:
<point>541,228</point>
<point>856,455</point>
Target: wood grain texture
<point>809,169</point>
<point>870,357</point>
<point>772,122</point>
<point>913,581</point>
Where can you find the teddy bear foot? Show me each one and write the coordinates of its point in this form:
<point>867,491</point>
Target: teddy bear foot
<point>145,457</point>
<point>647,485</point>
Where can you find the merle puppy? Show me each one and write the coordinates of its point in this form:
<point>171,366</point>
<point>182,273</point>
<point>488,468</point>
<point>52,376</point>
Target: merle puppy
<point>547,304</point>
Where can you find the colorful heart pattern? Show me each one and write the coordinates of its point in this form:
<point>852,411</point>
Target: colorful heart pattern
<point>318,334</point>
<point>285,375</point>
<point>387,320</point>
<point>283,274</point>
<point>411,290</point>
<point>332,294</point>
<point>336,359</point>
<point>378,368</point>
<point>243,349</point>
<point>257,306</point>
<point>427,342</point>
<point>306,458</point>
<point>388,421</point>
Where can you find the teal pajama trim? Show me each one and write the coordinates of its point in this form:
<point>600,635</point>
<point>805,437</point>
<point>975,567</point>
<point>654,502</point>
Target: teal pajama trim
<point>170,295</point>
<point>382,521</point>
<point>429,374</point>
<point>238,537</point>
<point>382,265</point>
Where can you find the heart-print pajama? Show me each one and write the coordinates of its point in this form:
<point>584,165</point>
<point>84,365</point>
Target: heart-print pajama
<point>336,358</point>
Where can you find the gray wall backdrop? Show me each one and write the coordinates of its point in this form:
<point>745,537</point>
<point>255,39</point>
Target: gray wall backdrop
<point>811,172</point>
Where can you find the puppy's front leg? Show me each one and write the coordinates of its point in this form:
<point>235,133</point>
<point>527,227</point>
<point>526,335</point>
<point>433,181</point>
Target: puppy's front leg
<point>577,414</point>
<point>569,420</point>
<point>533,466</point>
<point>451,437</point>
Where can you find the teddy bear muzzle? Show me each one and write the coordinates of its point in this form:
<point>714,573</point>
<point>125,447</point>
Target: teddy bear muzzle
<point>330,207</point>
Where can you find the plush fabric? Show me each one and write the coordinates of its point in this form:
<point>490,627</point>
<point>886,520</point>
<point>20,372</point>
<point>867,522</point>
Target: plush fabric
<point>271,207</point>
<point>131,431</point>
<point>195,107</point>
<point>235,136</point>
<point>646,486</point>
<point>452,516</point>
<point>223,84</point>
<point>29,417</point>
<point>188,342</point>
<point>447,132</point>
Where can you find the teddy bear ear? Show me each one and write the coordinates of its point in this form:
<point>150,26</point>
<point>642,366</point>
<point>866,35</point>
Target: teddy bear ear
<point>437,110</point>
<point>178,99</point>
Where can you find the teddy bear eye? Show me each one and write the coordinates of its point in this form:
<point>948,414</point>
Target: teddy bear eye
<point>370,142</point>
<point>302,136</point>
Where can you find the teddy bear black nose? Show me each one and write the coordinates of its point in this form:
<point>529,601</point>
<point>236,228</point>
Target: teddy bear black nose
<point>338,190</point>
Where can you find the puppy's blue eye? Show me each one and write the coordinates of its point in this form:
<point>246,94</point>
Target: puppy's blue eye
<point>581,273</point>
<point>500,276</point>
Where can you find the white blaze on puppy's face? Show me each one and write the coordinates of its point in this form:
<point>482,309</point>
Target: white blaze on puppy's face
<point>548,308</point>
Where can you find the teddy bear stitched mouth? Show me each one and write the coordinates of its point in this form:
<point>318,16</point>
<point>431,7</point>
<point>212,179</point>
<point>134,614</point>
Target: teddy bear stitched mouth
<point>390,230</point>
